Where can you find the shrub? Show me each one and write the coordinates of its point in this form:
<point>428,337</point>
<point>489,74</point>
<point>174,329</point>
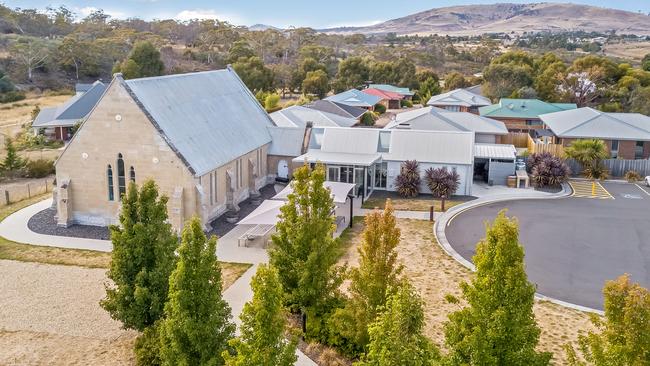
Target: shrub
<point>547,169</point>
<point>12,96</point>
<point>368,119</point>
<point>408,180</point>
<point>632,176</point>
<point>406,103</point>
<point>272,103</point>
<point>442,182</point>
<point>147,347</point>
<point>40,168</point>
<point>380,108</point>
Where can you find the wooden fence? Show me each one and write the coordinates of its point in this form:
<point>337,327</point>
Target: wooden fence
<point>10,193</point>
<point>519,139</point>
<point>616,167</point>
<point>540,147</point>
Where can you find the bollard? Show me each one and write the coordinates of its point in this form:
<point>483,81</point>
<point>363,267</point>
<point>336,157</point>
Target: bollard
<point>431,213</point>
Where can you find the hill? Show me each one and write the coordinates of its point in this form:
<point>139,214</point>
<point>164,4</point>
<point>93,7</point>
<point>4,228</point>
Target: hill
<point>508,18</point>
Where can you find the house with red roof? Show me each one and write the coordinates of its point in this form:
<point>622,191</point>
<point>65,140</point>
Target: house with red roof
<point>389,99</point>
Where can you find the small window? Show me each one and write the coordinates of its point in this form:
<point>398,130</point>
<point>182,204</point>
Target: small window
<point>132,174</point>
<point>121,177</point>
<point>333,174</point>
<point>638,150</point>
<point>109,177</point>
<point>614,150</point>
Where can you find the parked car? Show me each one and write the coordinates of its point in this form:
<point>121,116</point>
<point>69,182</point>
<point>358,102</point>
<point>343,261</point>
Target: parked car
<point>647,180</point>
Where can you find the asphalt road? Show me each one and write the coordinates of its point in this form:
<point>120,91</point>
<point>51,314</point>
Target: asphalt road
<point>573,245</point>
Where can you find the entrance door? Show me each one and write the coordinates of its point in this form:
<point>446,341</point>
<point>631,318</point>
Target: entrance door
<point>283,169</point>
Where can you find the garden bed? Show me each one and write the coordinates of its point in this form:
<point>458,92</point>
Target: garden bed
<point>423,202</point>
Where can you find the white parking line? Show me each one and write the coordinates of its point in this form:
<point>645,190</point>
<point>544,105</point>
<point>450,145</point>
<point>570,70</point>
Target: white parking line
<point>644,191</point>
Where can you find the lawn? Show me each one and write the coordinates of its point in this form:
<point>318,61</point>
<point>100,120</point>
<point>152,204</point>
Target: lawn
<point>436,274</point>
<point>419,203</point>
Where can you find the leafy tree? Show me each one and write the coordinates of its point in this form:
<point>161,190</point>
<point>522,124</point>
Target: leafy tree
<point>12,164</point>
<point>272,103</point>
<point>263,323</point>
<point>352,73</point>
<point>550,70</point>
<point>254,74</point>
<point>369,118</point>
<point>78,55</point>
<point>197,325</point>
<point>455,80</point>
<point>428,88</point>
<point>442,182</point>
<point>498,327</point>
<point>396,336</point>
<point>316,82</point>
<point>304,252</point>
<point>408,180</point>
<point>502,80</point>
<point>142,258</point>
<point>240,50</point>
<point>624,334</point>
<point>305,66</point>
<point>5,83</point>
<point>645,63</point>
<point>143,61</point>
<point>372,282</point>
<point>639,101</point>
<point>590,154</point>
<point>547,169</point>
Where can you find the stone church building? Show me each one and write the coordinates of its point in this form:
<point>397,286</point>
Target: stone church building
<point>203,138</point>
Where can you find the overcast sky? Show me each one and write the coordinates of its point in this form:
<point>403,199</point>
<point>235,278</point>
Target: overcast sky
<point>282,13</point>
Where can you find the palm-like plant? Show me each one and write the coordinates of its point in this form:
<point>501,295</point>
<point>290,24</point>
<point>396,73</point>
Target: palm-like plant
<point>590,155</point>
<point>442,183</point>
<point>408,180</point>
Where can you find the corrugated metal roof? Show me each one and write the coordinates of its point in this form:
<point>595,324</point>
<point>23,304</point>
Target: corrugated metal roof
<point>350,140</point>
<point>342,110</point>
<point>476,89</point>
<point>495,151</point>
<point>298,116</point>
<point>210,118</point>
<point>73,110</point>
<point>391,88</point>
<point>339,158</point>
<point>460,97</point>
<point>436,119</point>
<point>590,123</point>
<point>286,141</point>
<point>355,98</point>
<point>431,146</point>
<point>523,108</point>
<point>383,94</point>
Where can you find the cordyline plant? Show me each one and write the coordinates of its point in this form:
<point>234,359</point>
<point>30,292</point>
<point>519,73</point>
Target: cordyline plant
<point>442,183</point>
<point>408,180</point>
<point>547,169</point>
<point>590,154</point>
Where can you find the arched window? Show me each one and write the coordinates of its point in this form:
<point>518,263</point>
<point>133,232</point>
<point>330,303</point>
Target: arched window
<point>132,174</point>
<point>121,177</point>
<point>109,177</point>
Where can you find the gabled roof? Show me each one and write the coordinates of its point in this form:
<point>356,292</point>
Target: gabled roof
<point>475,89</point>
<point>523,108</point>
<point>355,98</point>
<point>286,141</point>
<point>392,88</point>
<point>208,118</point>
<point>383,94</point>
<point>591,123</point>
<point>460,97</point>
<point>72,111</point>
<point>299,116</point>
<point>340,109</point>
<point>436,119</point>
<point>82,87</point>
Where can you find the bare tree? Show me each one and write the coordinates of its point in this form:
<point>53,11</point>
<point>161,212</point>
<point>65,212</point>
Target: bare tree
<point>31,54</point>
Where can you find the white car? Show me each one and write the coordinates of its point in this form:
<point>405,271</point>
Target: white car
<point>647,180</point>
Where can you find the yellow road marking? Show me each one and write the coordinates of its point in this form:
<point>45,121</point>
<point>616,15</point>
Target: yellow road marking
<point>585,189</point>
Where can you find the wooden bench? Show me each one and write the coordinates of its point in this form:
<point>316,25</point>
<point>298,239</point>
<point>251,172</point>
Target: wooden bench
<point>256,231</point>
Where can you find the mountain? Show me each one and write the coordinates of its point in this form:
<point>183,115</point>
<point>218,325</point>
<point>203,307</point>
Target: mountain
<point>262,27</point>
<point>507,18</point>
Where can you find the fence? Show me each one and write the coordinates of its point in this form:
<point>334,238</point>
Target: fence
<point>540,147</point>
<point>616,167</point>
<point>19,191</point>
<point>519,139</point>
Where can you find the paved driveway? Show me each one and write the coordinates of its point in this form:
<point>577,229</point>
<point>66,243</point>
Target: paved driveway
<point>573,245</point>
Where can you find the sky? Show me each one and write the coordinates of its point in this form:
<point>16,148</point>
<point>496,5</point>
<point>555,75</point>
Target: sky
<point>283,13</point>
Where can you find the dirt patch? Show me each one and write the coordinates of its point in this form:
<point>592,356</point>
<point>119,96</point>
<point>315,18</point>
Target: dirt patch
<point>436,274</point>
<point>419,203</point>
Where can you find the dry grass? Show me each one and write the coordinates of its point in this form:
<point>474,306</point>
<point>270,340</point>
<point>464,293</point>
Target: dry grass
<point>634,51</point>
<point>12,115</point>
<point>420,203</point>
<point>436,274</point>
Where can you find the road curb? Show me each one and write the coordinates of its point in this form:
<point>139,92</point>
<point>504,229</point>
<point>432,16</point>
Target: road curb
<point>444,219</point>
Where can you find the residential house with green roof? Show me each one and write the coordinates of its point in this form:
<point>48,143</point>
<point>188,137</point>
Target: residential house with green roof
<point>522,115</point>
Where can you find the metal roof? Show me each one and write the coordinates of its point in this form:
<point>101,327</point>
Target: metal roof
<point>476,89</point>
<point>340,109</point>
<point>523,108</point>
<point>350,140</point>
<point>432,118</point>
<point>298,116</point>
<point>460,97</point>
<point>339,191</point>
<point>383,94</point>
<point>209,118</point>
<point>590,123</point>
<point>444,147</point>
<point>392,88</point>
<point>72,111</point>
<point>495,151</point>
<point>355,98</point>
<point>337,158</point>
<point>286,141</point>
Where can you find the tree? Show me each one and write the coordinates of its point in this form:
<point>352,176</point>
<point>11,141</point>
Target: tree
<point>498,326</point>
<point>502,80</point>
<point>304,252</point>
<point>79,56</point>
<point>455,80</point>
<point>396,336</point>
<point>408,180</point>
<point>254,74</point>
<point>143,61</point>
<point>590,154</point>
<point>623,336</point>
<point>262,339</point>
<point>31,54</point>
<point>12,163</point>
<point>442,182</point>
<point>5,83</point>
<point>645,63</point>
<point>316,82</point>
<point>639,101</point>
<point>197,323</point>
<point>372,282</point>
<point>142,258</point>
<point>428,88</point>
<point>272,103</point>
<point>352,73</point>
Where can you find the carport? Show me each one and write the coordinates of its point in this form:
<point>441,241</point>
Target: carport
<point>494,163</point>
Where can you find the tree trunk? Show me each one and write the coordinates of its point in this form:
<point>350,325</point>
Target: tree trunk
<point>442,204</point>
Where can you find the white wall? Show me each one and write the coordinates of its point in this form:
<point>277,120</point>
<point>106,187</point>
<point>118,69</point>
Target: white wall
<point>464,171</point>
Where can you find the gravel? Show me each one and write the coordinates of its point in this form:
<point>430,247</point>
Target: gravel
<point>45,223</point>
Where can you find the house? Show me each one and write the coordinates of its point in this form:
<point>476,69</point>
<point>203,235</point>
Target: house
<point>340,109</point>
<point>476,89</point>
<point>57,123</point>
<point>459,100</point>
<point>81,88</point>
<point>286,144</point>
<point>203,138</point>
<point>355,98</point>
<point>487,130</point>
<point>627,135</point>
<point>371,158</point>
<point>390,100</point>
<point>405,92</point>
<point>522,115</point>
<point>300,116</point>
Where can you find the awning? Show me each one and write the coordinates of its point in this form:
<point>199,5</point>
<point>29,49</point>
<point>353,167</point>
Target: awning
<point>265,214</point>
<point>495,151</point>
<point>325,157</point>
<point>339,191</point>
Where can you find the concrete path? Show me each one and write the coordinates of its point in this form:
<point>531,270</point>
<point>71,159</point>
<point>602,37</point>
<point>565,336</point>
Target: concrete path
<point>14,228</point>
